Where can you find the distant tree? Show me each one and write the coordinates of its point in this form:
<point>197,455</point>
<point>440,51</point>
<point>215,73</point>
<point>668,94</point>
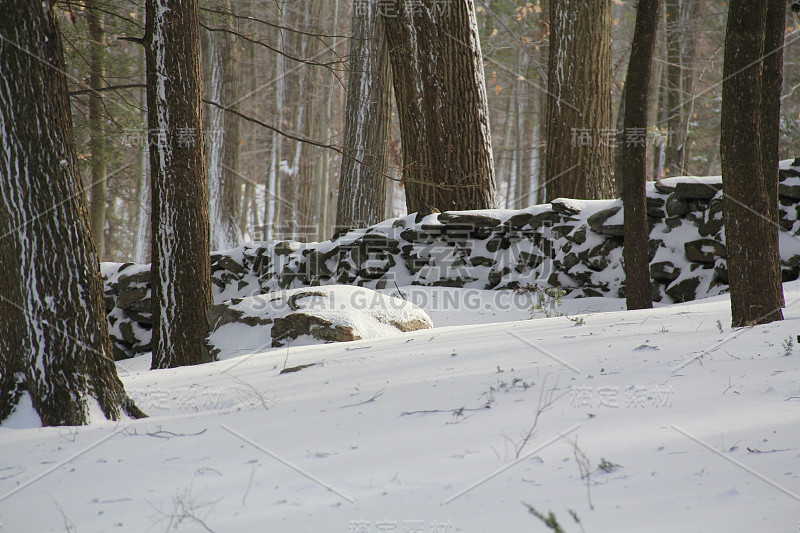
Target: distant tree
<point>181,270</point>
<point>440,92</point>
<point>54,344</point>
<point>751,235</point>
<point>362,187</point>
<point>579,154</point>
<point>634,157</point>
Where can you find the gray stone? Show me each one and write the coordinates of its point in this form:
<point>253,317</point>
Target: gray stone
<point>563,207</point>
<point>470,220</point>
<point>684,290</point>
<point>286,247</point>
<point>518,221</point>
<point>704,250</point>
<point>697,191</point>
<point>664,271</point>
<point>664,188</point>
<point>597,222</point>
<point>482,261</point>
<point>677,206</point>
<point>789,191</point>
<point>655,207</point>
<point>294,325</point>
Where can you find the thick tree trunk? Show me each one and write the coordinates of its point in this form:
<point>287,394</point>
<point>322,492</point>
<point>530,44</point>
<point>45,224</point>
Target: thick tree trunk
<point>440,92</point>
<point>362,187</point>
<point>751,237</point>
<point>54,344</point>
<point>580,129</point>
<point>772,82</point>
<point>181,270</point>
<point>97,130</point>
<point>634,157</point>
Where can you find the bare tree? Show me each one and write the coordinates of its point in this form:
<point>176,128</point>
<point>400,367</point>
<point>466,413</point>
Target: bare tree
<point>751,236</point>
<point>634,157</point>
<point>181,269</point>
<point>579,153</point>
<point>54,344</point>
<point>440,92</point>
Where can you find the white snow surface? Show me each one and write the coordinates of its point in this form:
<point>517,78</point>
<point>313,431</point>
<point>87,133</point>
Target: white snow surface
<point>427,430</point>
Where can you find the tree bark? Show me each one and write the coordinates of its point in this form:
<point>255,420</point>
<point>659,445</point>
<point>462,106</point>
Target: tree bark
<point>579,153</point>
<point>97,130</point>
<point>634,157</point>
<point>222,133</point>
<point>751,236</point>
<point>440,92</point>
<point>181,270</point>
<point>772,81</point>
<point>673,155</point>
<point>362,187</point>
<point>54,344</point>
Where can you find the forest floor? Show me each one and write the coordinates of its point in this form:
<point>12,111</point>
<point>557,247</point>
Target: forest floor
<point>657,420</point>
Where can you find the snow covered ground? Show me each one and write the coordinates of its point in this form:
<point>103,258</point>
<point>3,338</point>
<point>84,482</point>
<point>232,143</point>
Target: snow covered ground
<point>657,420</point>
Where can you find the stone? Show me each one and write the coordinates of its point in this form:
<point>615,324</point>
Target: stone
<point>789,191</point>
<point>565,207</point>
<point>696,190</point>
<point>226,262</point>
<point>470,220</point>
<point>545,219</point>
<point>598,220</point>
<point>579,235</point>
<point>286,247</point>
<point>482,261</point>
<point>684,290</point>
<point>677,206</point>
<point>562,231</point>
<point>673,222</point>
<point>703,250</point>
<point>128,296</point>
<point>663,187</point>
<point>664,271</point>
<point>655,207</point>
<point>290,327</point>
<point>518,221</point>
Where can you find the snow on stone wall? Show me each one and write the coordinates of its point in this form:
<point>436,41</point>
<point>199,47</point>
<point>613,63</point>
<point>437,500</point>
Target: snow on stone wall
<point>572,244</point>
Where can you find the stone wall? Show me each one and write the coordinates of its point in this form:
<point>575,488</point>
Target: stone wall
<point>572,244</point>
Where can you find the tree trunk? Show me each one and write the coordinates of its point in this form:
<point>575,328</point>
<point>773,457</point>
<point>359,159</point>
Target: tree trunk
<point>97,130</point>
<point>222,134</point>
<point>440,92</point>
<point>54,344</point>
<point>751,237</point>
<point>579,153</point>
<point>362,187</point>
<point>673,155</point>
<point>634,157</point>
<point>772,81</point>
<point>181,270</point>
